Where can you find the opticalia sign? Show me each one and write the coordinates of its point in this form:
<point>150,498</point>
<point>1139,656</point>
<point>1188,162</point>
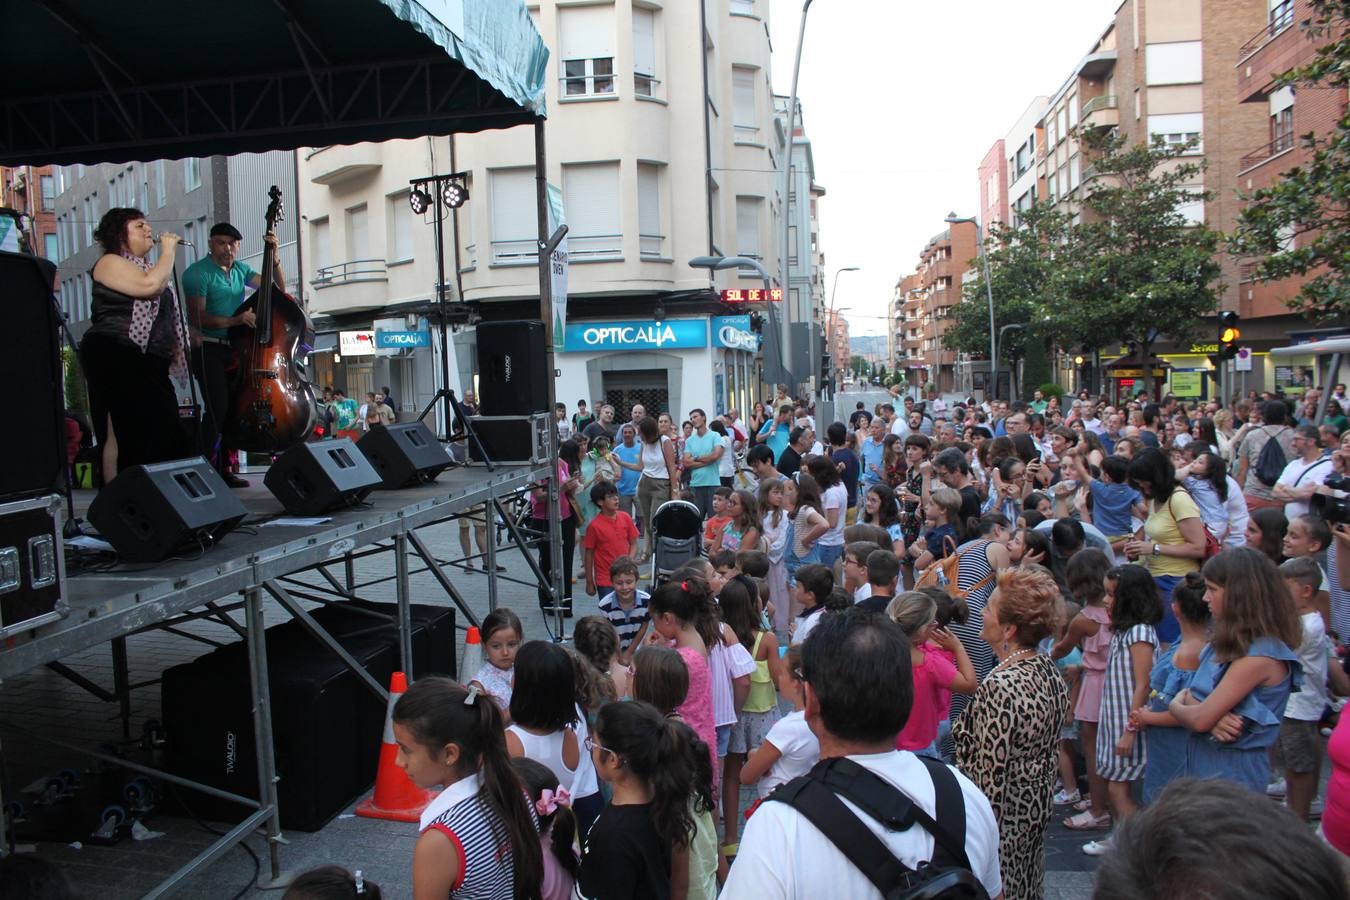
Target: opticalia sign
<point>398,340</point>
<point>733,333</point>
<point>675,334</point>
<point>751,295</point>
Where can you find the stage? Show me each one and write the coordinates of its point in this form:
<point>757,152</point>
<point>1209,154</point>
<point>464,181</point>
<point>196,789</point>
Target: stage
<point>254,570</point>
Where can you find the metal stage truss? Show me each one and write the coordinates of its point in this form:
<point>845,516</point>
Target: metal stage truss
<point>253,564</point>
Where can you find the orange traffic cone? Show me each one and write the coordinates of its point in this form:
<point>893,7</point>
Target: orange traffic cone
<point>472,660</point>
<point>395,797</point>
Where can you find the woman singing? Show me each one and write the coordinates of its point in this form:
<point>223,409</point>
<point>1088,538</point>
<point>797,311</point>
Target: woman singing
<point>136,338</point>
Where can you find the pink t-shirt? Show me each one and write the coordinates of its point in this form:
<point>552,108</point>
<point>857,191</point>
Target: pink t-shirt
<point>1336,816</point>
<point>697,708</point>
<point>539,504</point>
<point>558,884</point>
<point>932,677</point>
<point>944,694</point>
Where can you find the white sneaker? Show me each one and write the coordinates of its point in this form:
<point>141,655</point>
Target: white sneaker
<point>1098,848</point>
<point>1064,799</point>
<point>1276,788</point>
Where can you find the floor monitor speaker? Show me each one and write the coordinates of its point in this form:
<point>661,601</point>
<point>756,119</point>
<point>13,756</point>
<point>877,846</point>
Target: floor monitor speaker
<point>149,513</point>
<point>321,476</point>
<point>404,455</point>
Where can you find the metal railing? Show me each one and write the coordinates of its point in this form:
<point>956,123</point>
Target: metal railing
<point>509,253</point>
<point>352,271</point>
<point>1105,101</point>
<point>1281,17</point>
<point>650,246</point>
<point>1282,143</point>
<point>594,246</point>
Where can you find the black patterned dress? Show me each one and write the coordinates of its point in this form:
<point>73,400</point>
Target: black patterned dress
<point>1005,744</point>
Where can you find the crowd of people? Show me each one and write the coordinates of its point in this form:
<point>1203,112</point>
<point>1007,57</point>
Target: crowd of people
<point>922,634</point>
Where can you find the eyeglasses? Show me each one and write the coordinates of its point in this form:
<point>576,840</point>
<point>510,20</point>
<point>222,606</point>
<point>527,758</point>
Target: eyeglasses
<point>592,744</point>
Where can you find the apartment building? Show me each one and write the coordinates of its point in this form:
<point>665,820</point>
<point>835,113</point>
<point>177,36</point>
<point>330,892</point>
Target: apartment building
<point>922,304</point>
<point>31,191</point>
<point>837,344</point>
<point>1276,47</point>
<point>662,151</point>
<point>806,257</point>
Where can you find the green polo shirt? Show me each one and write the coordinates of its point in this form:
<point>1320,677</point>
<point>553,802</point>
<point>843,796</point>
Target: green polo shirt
<point>224,291</point>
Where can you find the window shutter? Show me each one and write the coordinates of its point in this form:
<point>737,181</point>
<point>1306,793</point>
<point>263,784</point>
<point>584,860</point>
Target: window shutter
<point>743,93</point>
<point>513,205</point>
<point>747,226</point>
<point>644,42</point>
<point>586,32</point>
<point>591,198</point>
<point>649,199</point>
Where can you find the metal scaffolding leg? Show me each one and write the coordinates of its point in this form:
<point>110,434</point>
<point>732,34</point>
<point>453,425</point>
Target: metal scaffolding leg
<point>262,723</point>
<point>404,589</point>
<point>490,533</point>
<point>317,631</point>
<point>434,567</point>
<point>122,683</point>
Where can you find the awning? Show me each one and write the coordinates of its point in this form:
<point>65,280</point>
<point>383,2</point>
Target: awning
<point>93,81</point>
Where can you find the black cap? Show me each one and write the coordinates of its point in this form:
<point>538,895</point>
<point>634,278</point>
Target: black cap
<point>226,229</point>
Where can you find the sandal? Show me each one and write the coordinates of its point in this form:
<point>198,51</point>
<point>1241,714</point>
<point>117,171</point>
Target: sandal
<point>1086,821</point>
<point>1084,804</point>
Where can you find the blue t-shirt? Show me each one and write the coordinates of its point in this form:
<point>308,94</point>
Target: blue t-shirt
<point>696,446</point>
<point>224,291</point>
<point>873,454</point>
<point>775,437</point>
<point>628,479</point>
<point>937,537</point>
<point>1111,507</point>
<point>845,457</point>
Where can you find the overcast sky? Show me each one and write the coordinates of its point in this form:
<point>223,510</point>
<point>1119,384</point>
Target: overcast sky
<point>901,100</point>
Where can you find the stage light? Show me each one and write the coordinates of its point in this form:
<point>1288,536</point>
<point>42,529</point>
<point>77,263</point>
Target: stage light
<point>455,194</point>
<point>419,200</point>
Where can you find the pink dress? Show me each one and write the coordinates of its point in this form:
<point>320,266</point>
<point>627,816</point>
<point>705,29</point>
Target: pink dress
<point>697,708</point>
<point>1096,648</point>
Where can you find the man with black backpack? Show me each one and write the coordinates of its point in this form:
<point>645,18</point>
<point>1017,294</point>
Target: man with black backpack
<point>869,820</point>
<point>1265,451</point>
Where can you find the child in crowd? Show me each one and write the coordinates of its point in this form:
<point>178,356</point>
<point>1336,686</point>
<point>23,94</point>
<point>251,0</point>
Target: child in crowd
<point>916,614</point>
<point>790,748</point>
<point>1265,532</point>
<point>759,712</point>
<point>943,514</point>
<point>1308,536</point>
<point>626,607</point>
<point>1172,673</point>
<point>1090,632</point>
<point>597,641</point>
<point>1235,703</point>
<point>741,528</point>
<point>813,586</point>
<point>545,725</point>
<point>881,509</point>
<point>648,761</point>
<point>684,613</point>
<point>949,609</point>
<point>1218,495</point>
<point>609,536</point>
<point>1122,749</point>
<point>719,516</point>
<point>478,836</point>
<point>754,566</point>
<point>557,827</point>
<point>1114,502</point>
<point>502,636</point>
<point>322,883</point>
<point>808,522</point>
<point>855,569</point>
<point>775,525</point>
<point>1299,749</point>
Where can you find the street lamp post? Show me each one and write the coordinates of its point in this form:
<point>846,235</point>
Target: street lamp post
<point>953,219</point>
<point>829,322</point>
<point>737,262</point>
<point>787,204</point>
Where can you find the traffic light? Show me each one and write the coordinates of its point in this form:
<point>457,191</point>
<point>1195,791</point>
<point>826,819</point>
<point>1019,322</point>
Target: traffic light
<point>1229,334</point>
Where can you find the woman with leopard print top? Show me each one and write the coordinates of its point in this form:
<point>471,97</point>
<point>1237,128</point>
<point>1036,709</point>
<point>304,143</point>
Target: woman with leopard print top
<point>1005,741</point>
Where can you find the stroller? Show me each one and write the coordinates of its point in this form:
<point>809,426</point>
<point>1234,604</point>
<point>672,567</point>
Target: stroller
<point>677,538</point>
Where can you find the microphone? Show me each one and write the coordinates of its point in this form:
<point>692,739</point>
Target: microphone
<point>181,242</point>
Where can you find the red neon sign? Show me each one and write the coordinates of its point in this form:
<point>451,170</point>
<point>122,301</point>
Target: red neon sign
<point>752,295</point>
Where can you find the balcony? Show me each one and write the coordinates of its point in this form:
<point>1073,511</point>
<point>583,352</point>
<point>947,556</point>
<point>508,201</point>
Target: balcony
<point>1281,145</point>
<point>350,272</point>
<point>342,162</point>
<point>1281,17</point>
<point>357,284</point>
<point>1101,112</point>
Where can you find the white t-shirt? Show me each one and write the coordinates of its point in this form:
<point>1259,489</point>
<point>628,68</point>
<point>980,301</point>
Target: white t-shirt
<point>799,747</point>
<point>1306,704</point>
<point>726,463</point>
<point>1301,474</point>
<point>784,855</point>
<point>834,497</point>
<point>654,459</point>
<point>806,623</point>
<point>900,427</point>
<point>724,664</point>
<point>862,593</point>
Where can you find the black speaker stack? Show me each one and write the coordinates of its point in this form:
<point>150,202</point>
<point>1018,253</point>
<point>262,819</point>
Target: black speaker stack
<point>512,376</point>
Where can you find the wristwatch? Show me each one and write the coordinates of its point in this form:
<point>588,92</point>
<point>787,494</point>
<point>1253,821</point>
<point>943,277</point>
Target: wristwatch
<point>1157,550</point>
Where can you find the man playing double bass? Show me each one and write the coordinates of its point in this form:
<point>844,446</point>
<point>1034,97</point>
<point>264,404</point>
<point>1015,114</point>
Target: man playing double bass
<point>215,287</point>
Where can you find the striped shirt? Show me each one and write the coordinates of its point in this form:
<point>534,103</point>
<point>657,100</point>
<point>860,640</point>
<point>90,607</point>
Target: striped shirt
<point>479,839</point>
<point>627,622</point>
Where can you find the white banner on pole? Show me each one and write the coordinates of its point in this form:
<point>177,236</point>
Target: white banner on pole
<point>558,265</point>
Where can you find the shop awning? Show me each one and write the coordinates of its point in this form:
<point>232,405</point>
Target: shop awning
<point>92,81</point>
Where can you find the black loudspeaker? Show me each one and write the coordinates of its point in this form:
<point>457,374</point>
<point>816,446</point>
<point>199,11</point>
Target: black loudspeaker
<point>512,376</point>
<point>32,463</point>
<point>510,439</point>
<point>326,725</point>
<point>321,476</point>
<point>404,455</point>
<point>149,513</point>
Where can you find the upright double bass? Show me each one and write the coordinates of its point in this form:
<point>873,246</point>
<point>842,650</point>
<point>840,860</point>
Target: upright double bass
<point>271,405</point>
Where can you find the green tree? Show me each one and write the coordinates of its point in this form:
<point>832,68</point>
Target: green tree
<point>1300,225</point>
<point>1136,268</point>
